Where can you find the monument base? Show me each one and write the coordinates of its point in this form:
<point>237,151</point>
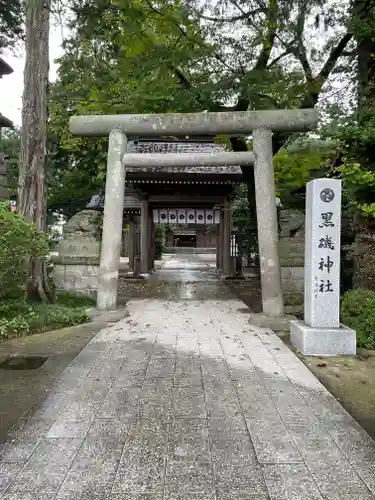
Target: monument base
<point>323,341</point>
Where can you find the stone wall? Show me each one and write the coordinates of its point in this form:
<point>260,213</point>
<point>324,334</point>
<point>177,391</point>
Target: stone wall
<point>292,259</point>
<point>79,276</point>
<point>292,273</point>
<point>76,268</point>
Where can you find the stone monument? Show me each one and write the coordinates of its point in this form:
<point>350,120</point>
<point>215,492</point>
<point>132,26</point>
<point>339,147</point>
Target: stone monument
<point>77,265</point>
<point>321,334</point>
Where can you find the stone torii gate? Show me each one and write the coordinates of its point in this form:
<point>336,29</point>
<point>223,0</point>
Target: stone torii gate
<point>259,124</point>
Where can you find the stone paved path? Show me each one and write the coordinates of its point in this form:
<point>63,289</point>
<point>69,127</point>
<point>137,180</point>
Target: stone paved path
<point>185,400</point>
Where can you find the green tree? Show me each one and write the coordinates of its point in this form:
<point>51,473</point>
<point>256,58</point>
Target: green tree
<point>298,163</point>
<point>118,59</point>
<point>176,56</point>
<point>355,132</point>
<point>11,20</point>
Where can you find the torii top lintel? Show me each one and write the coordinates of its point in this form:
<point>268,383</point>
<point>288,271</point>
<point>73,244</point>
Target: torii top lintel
<point>234,122</point>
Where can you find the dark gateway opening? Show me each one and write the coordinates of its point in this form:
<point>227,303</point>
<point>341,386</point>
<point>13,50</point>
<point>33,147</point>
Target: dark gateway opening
<point>185,240</point>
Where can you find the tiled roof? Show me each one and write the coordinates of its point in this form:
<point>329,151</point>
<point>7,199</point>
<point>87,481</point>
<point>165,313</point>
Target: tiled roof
<point>181,147</point>
<point>5,69</point>
<point>131,201</point>
<point>5,122</point>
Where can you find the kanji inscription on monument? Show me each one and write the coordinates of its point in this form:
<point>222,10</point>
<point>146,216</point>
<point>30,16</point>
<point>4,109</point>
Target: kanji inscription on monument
<point>322,264</point>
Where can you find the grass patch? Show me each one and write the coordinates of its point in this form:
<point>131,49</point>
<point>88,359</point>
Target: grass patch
<point>358,312</point>
<point>20,317</point>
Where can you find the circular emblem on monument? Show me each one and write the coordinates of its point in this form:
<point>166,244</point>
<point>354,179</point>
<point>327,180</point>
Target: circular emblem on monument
<point>191,217</point>
<point>327,195</point>
<point>163,216</point>
<point>200,217</point>
<point>182,216</point>
<point>209,217</point>
<point>173,216</point>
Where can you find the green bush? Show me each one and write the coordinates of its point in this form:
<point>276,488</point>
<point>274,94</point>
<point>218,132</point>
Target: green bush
<point>19,241</point>
<point>20,317</point>
<point>358,312</point>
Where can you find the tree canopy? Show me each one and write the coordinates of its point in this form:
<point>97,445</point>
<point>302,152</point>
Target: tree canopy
<point>176,56</point>
<point>11,19</point>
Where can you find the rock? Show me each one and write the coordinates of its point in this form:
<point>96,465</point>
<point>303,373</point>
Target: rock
<point>292,223</point>
<point>84,224</point>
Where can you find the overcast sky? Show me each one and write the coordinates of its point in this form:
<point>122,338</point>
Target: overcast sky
<point>11,86</point>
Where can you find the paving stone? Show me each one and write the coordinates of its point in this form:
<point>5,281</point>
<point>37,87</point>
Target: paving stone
<point>232,449</point>
<point>188,402</point>
<point>92,471</point>
<point>80,411</point>
<point>134,496</point>
<point>106,368</point>
<point>222,405</point>
<point>23,439</point>
<point>46,469</point>
<point>70,428</point>
<point>121,402</point>
<point>239,480</point>
<point>142,465</point>
<point>186,365</point>
<point>189,379</point>
<point>93,390</point>
<point>132,372</point>
<point>24,495</point>
<point>358,447</point>
<point>339,481</point>
<point>95,485</point>
<point>189,496</point>
<point>17,451</point>
<point>313,442</point>
<point>155,400</point>
<point>227,426</point>
<point>161,366</point>
<point>224,495</point>
<point>110,428</point>
<point>367,474</point>
<point>188,440</point>
<point>272,441</point>
<point>290,482</point>
<point>8,473</point>
<point>186,478</point>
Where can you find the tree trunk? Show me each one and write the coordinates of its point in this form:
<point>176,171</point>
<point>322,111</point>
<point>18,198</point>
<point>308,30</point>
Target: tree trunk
<point>32,174</point>
<point>364,16</point>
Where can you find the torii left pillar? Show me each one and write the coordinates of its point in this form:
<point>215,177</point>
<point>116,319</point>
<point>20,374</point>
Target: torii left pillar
<point>112,222</point>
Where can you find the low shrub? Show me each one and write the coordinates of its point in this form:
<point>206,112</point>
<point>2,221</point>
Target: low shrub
<point>20,317</point>
<point>70,299</point>
<point>19,241</point>
<point>358,312</point>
